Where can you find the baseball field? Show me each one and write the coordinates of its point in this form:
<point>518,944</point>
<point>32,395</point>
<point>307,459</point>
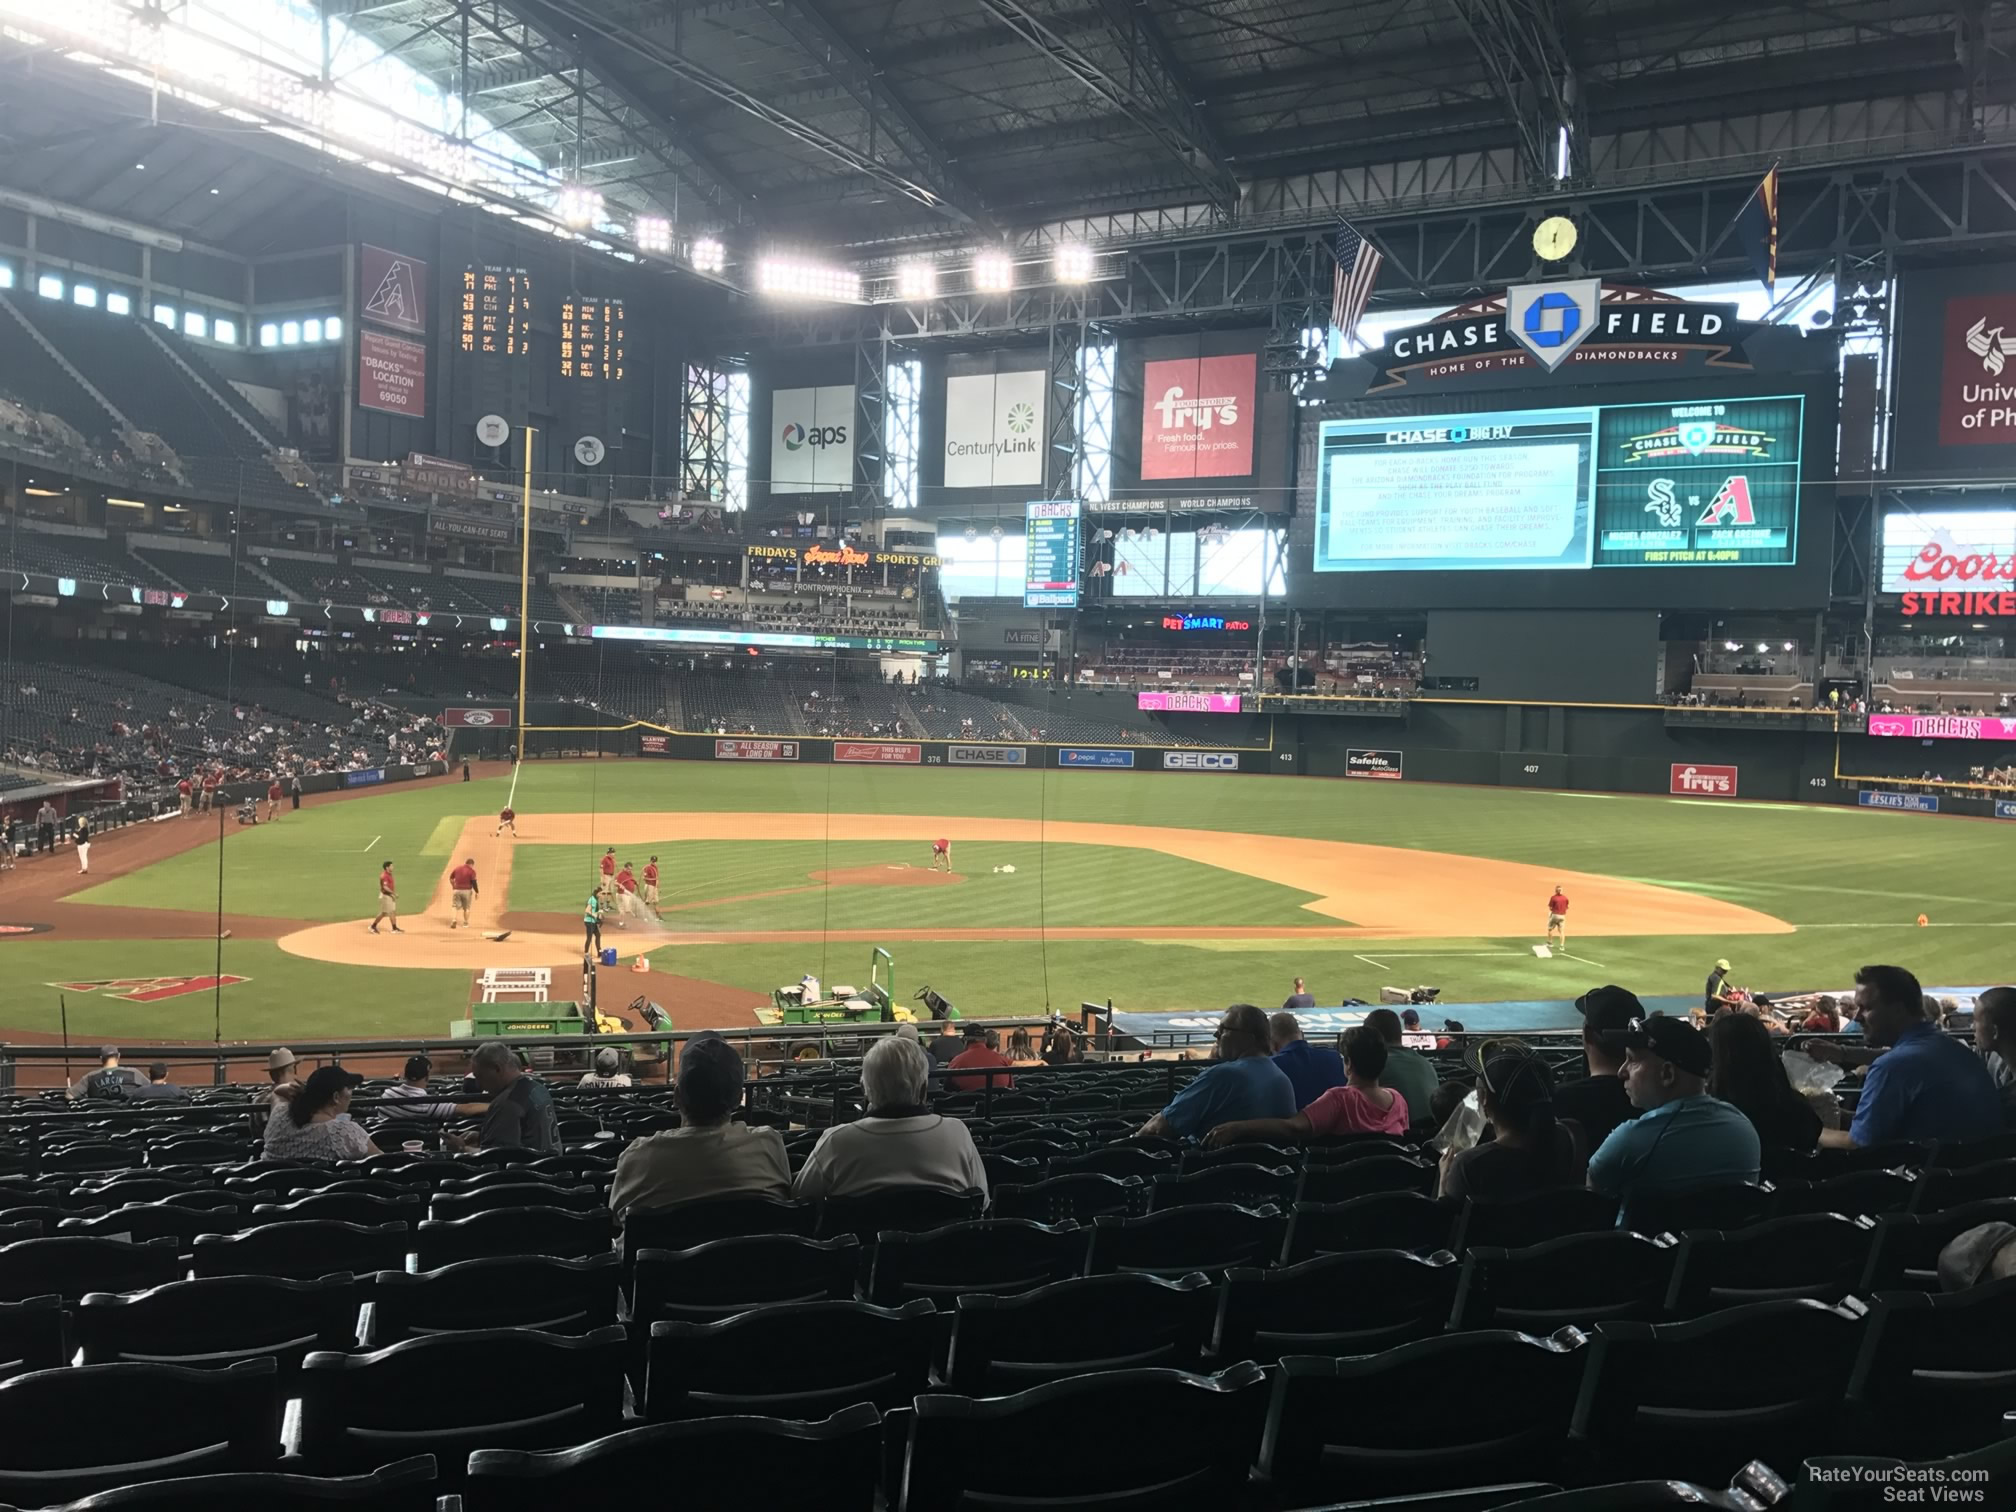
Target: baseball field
<point>1160,891</point>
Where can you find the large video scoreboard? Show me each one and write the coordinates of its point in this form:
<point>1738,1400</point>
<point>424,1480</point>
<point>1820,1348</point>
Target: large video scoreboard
<point>1694,483</point>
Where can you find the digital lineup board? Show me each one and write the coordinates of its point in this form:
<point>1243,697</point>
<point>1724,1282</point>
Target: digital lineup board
<point>1051,579</point>
<point>1693,484</point>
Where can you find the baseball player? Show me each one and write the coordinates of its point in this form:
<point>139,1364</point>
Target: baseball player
<point>626,896</point>
<point>591,923</point>
<point>1557,918</point>
<point>607,886</point>
<point>463,890</point>
<point>941,851</point>
<point>388,900</point>
<point>507,818</point>
<point>651,886</point>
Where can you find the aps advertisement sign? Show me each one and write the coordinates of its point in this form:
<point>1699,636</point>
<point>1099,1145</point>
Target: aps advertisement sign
<point>812,439</point>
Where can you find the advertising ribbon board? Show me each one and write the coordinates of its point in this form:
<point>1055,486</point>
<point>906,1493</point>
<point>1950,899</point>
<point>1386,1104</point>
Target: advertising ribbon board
<point>872,751</point>
<point>1074,756</point>
<point>986,755</point>
<point>755,750</point>
<point>477,719</point>
<point>1389,765</point>
<point>1692,779</point>
<point>1910,803</point>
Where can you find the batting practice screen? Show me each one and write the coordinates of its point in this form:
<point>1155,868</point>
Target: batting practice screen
<point>1705,482</point>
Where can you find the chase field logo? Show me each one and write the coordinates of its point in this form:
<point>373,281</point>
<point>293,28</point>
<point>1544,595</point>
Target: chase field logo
<point>149,989</point>
<point>1551,320</point>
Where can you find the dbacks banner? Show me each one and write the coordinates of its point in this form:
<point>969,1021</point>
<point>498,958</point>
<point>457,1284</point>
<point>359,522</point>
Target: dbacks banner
<point>477,719</point>
<point>1197,417</point>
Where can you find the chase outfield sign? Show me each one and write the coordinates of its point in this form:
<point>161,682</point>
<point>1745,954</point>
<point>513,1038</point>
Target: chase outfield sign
<point>1593,330</point>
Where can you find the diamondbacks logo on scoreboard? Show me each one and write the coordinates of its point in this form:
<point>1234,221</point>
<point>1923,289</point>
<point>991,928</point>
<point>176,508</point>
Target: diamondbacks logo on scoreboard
<point>394,287</point>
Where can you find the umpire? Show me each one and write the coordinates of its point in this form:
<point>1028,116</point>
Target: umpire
<point>45,827</point>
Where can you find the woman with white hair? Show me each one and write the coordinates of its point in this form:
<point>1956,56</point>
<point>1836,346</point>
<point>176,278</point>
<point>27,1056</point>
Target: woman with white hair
<point>900,1142</point>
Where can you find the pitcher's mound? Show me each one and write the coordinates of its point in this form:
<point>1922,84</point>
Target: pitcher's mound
<point>886,876</point>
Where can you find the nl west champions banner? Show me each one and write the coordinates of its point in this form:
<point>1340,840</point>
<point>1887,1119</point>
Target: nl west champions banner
<point>1197,417</point>
<point>812,439</point>
<point>995,429</point>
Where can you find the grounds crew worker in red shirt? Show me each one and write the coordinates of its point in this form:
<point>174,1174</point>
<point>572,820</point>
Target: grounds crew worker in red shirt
<point>462,890</point>
<point>182,790</point>
<point>273,797</point>
<point>1557,918</point>
<point>608,884</point>
<point>651,886</point>
<point>626,896</point>
<point>388,900</point>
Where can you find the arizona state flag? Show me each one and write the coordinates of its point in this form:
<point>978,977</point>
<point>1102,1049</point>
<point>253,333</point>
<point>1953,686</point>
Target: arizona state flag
<point>1757,229</point>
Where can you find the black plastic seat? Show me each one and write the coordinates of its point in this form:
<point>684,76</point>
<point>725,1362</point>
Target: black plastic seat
<point>1779,1164</point>
<point>1272,1156</point>
<point>279,1179</point>
<point>1003,1344</point>
<point>54,1438</point>
<point>1385,1220</point>
<point>1905,1253</point>
<point>1209,1237</point>
<point>1206,1430</point>
<point>407,1486</point>
<point>1233,1182</point>
<point>1937,1374</point>
<point>537,1292</point>
<point>158,1220</point>
<point>1331,1429</point>
<point>1341,1180</point>
<point>912,1209</point>
<point>120,1190</point>
<point>343,1207</point>
<point>491,1388</point>
<point>31,1335</point>
<point>513,1231</point>
<point>302,1251</point>
<point>1856,1194</point>
<point>1578,1279</point>
<point>1001,1257</point>
<point>1339,1147</point>
<point>1525,1221</point>
<point>722,1462</point>
<point>1115,1160</point>
<point>1733,1206</point>
<point>685,1224</point>
<point>586,1198</point>
<point>1001,1171</point>
<point>216,1322</point>
<point>1959,1154</point>
<point>1697,1398</point>
<point>1347,1304</point>
<point>839,1353</point>
<point>730,1276</point>
<point>1078,1197</point>
<point>1817,1255</point>
<point>1941,1187</point>
<point>70,1265</point>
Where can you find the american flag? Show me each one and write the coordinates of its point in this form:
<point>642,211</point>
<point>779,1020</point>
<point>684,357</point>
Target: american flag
<point>1358,263</point>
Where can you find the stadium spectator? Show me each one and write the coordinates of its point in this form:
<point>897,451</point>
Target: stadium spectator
<point>110,1079</point>
<point>1683,1139</point>
<point>1407,1072</point>
<point>1062,1046</point>
<point>280,1068</point>
<point>1299,999</point>
<point>945,1044</point>
<point>1242,1084</point>
<point>899,1141</point>
<point>608,1070</point>
<point>1995,1038</point>
<point>1531,1150</point>
<point>1717,994</point>
<point>709,1154</point>
<point>157,1087</point>
<point>519,1114</point>
<point>1978,1256</point>
<point>410,1097</point>
<point>1361,1106</point>
<point>1747,1074</point>
<point>1824,1017</point>
<point>983,1051</point>
<point>1311,1069</point>
<point>1598,1101</point>
<point>315,1123</point>
<point>1022,1050</point>
<point>1923,1084</point>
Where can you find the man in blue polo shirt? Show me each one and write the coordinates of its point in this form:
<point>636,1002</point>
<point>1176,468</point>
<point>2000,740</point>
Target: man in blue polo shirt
<point>1311,1069</point>
<point>1243,1083</point>
<point>1925,1084</point>
<point>1682,1139</point>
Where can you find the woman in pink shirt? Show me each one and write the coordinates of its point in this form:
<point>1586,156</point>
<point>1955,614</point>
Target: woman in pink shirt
<point>1360,1106</point>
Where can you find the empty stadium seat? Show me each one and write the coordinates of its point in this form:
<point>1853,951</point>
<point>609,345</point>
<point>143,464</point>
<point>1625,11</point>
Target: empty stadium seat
<point>1355,1303</point>
<point>301,1250</point>
<point>1089,1323</point>
<point>538,1292</point>
<point>1818,1255</point>
<point>31,1335</point>
<point>728,1276</point>
<point>684,1224</point>
<point>1578,1279</point>
<point>512,1231</point>
<point>1385,1220</point>
<point>1075,1198</point>
<point>1236,1183</point>
<point>913,1209</point>
<point>840,1353</point>
<point>1937,1374</point>
<point>71,1265</point>
<point>1209,1237</point>
<point>207,1324</point>
<point>1001,1257</point>
<point>1523,1221</point>
<point>1904,1255</point>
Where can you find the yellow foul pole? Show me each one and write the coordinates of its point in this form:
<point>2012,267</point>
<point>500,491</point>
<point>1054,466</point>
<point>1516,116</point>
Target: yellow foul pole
<point>524,590</point>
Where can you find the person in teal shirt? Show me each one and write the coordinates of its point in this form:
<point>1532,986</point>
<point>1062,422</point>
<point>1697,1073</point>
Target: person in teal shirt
<point>1242,1083</point>
<point>591,924</point>
<point>1682,1139</point>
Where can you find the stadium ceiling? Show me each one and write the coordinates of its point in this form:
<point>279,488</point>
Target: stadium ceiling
<point>865,129</point>
<point>881,125</point>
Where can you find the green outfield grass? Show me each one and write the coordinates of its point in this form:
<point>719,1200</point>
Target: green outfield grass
<point>1854,882</point>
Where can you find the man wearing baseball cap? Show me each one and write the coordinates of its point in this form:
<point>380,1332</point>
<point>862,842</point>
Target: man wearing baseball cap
<point>1682,1139</point>
<point>1598,1101</point>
